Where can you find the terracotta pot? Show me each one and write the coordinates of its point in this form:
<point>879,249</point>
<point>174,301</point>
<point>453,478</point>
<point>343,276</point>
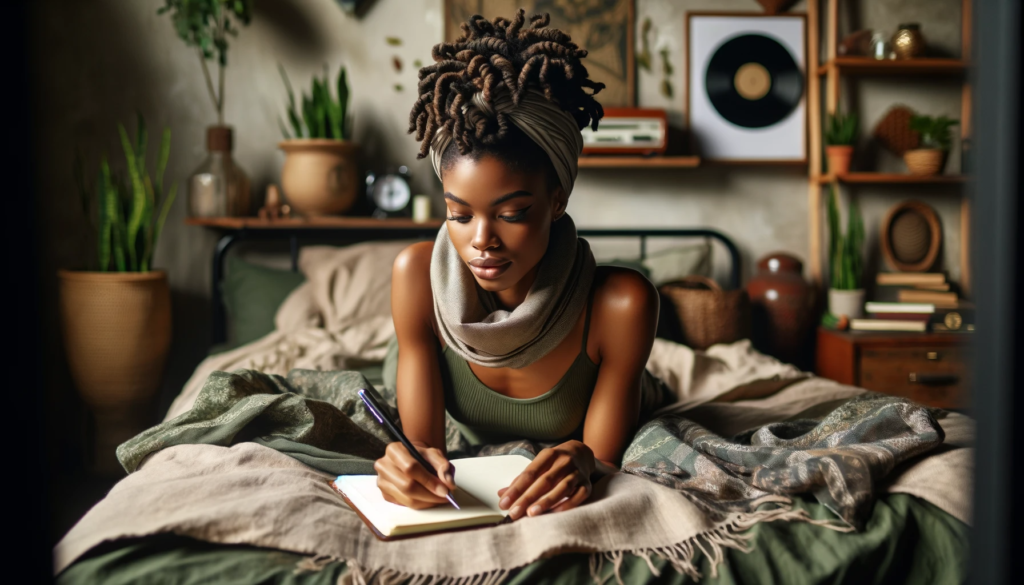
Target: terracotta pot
<point>117,332</point>
<point>925,161</point>
<point>782,303</point>
<point>320,176</point>
<point>839,159</point>
<point>846,302</point>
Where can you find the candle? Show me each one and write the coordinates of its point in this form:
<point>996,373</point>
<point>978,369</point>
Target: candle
<point>421,208</point>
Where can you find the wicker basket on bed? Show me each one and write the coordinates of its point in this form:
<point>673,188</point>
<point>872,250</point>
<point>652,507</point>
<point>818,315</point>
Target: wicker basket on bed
<point>707,314</point>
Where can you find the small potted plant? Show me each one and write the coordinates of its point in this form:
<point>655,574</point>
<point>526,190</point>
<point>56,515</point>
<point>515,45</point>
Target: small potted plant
<point>321,173</point>
<point>116,318</point>
<point>936,138</point>
<point>839,138</point>
<point>218,186</point>
<point>846,291</point>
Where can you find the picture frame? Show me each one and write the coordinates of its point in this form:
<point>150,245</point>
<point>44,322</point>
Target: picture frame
<point>604,29</point>
<point>720,140</point>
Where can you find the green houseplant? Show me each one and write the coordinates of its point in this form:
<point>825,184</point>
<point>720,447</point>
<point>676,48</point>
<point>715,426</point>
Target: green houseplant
<point>218,186</point>
<point>320,174</point>
<point>116,319</point>
<point>846,260</point>
<point>840,134</point>
<point>936,137</point>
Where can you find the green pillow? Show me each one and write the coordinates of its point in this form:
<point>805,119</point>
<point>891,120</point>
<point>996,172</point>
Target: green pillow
<point>252,294</point>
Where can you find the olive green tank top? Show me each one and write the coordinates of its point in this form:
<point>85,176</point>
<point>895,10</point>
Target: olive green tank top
<point>486,416</point>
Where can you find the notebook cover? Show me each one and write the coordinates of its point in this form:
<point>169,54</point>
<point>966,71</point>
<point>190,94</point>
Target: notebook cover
<point>383,537</point>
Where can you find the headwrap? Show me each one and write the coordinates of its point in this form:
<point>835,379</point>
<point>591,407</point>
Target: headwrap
<point>551,127</point>
<point>469,318</point>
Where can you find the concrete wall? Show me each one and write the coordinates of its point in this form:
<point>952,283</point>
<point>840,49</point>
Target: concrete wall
<point>98,61</point>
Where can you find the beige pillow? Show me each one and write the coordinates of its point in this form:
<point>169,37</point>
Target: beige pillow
<point>676,262</point>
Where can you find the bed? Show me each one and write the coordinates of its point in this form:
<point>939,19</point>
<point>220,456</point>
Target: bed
<point>906,537</point>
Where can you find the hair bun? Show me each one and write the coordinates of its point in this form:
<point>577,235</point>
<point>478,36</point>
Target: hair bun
<point>501,54</point>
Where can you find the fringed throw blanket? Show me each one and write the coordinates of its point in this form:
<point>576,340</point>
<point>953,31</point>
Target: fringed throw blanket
<point>711,488</point>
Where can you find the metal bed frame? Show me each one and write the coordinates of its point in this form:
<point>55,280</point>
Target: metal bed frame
<point>293,235</point>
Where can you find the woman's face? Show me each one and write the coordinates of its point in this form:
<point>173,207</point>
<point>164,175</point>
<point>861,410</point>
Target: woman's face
<point>499,220</point>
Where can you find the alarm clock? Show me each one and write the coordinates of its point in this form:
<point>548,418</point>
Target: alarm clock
<point>390,193</point>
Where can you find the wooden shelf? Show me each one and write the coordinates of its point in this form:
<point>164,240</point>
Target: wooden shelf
<point>901,178</point>
<point>869,66</point>
<point>638,162</point>
<point>333,222</point>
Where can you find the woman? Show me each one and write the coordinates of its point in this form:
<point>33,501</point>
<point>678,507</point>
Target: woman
<point>505,321</point>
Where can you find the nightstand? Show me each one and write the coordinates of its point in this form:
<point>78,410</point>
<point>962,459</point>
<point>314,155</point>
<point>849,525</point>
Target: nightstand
<point>929,368</point>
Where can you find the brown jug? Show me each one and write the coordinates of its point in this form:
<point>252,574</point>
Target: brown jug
<point>782,307</point>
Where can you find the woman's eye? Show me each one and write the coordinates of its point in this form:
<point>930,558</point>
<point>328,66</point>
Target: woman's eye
<point>517,216</point>
<point>460,218</point>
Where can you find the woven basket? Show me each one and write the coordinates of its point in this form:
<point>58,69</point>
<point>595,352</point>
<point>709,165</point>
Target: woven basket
<point>707,314</point>
<point>117,333</point>
<point>925,161</point>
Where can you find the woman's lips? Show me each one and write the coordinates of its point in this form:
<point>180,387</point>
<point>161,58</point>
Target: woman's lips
<point>488,268</point>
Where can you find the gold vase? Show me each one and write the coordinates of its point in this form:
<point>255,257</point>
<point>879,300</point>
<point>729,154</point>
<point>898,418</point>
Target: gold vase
<point>908,42</point>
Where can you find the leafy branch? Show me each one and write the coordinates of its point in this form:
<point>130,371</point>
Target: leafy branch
<point>207,25</point>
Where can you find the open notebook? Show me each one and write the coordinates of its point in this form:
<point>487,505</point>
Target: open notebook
<point>477,481</point>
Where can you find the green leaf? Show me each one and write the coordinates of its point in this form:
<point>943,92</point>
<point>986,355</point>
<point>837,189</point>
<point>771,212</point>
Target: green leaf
<point>161,160</point>
<point>163,214</point>
<point>393,41</point>
<point>117,227</point>
<point>138,199</point>
<point>105,214</point>
<point>343,97</point>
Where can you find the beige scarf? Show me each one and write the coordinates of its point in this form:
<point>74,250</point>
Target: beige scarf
<point>473,325</point>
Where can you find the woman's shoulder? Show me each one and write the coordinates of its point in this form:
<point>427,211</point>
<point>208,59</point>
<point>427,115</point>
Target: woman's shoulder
<point>624,293</point>
<point>413,263</point>
<point>411,296</point>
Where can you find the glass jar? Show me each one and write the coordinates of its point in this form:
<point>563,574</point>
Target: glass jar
<point>879,46</point>
<point>908,42</point>
<point>219,187</point>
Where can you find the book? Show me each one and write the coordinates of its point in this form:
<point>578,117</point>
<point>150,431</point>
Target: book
<point>910,278</point>
<point>887,325</point>
<point>939,287</point>
<point>942,300</point>
<point>477,481</point>
<point>921,308</point>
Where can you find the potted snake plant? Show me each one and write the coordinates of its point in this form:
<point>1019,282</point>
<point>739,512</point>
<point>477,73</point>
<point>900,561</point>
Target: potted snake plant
<point>321,172</point>
<point>116,317</point>
<point>839,137</point>
<point>846,261</point>
<point>936,139</point>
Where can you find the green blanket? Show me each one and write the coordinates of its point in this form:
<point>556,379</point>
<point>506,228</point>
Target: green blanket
<point>317,418</point>
<point>905,540</point>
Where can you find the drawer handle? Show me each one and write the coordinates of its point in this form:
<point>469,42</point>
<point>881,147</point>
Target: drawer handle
<point>934,379</point>
<point>932,355</point>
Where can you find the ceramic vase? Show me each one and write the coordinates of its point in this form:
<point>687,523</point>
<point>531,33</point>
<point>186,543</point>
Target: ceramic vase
<point>782,305</point>
<point>219,187</point>
<point>320,176</point>
<point>117,333</point>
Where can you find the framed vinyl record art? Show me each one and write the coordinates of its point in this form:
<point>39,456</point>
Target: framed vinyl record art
<point>746,87</point>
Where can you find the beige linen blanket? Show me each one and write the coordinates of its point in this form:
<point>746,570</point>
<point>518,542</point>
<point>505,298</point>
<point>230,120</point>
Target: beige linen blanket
<point>254,495</point>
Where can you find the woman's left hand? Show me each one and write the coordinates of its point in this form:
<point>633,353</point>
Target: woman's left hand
<point>555,474</point>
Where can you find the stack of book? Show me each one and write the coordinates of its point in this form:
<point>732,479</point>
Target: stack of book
<point>911,301</point>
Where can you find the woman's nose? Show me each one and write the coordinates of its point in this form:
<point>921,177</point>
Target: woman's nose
<point>484,237</point>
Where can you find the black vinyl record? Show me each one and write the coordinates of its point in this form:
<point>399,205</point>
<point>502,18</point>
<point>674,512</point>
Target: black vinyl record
<point>753,81</point>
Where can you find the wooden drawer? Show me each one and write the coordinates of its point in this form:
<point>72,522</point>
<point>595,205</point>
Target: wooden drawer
<point>934,376</point>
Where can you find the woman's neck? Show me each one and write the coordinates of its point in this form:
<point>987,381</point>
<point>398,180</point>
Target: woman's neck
<point>514,296</point>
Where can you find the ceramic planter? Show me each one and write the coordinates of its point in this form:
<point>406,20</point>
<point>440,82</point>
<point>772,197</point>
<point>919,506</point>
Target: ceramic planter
<point>846,302</point>
<point>117,333</point>
<point>925,161</point>
<point>839,159</point>
<point>320,176</point>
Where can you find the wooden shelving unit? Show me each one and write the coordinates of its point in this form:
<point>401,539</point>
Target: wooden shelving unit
<point>638,162</point>
<point>869,66</point>
<point>892,178</point>
<point>831,70</point>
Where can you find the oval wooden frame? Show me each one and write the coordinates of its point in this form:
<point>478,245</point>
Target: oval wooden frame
<point>933,247</point>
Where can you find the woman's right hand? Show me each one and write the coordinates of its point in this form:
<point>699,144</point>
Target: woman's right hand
<point>404,481</point>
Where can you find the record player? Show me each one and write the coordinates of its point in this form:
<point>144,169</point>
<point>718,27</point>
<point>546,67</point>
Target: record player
<point>642,131</point>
